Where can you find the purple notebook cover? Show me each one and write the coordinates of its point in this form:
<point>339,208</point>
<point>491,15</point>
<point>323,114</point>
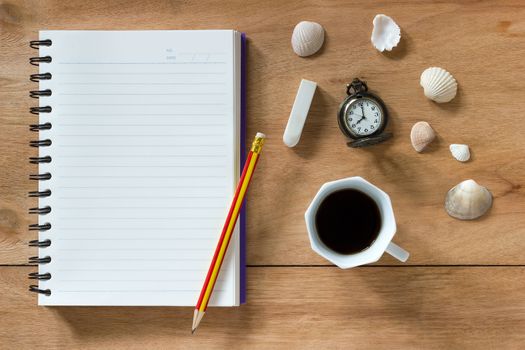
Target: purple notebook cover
<point>243,160</point>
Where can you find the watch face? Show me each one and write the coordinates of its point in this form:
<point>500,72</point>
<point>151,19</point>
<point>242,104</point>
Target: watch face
<point>364,116</point>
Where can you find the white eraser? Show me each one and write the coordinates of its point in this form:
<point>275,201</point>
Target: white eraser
<point>300,109</point>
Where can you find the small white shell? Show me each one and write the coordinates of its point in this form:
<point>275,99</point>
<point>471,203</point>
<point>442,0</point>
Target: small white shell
<point>438,84</point>
<point>307,38</point>
<point>468,200</point>
<point>386,33</point>
<point>460,152</point>
<point>422,135</point>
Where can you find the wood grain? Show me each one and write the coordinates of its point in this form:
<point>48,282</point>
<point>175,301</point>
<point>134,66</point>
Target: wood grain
<point>377,308</point>
<point>434,307</point>
<point>479,42</point>
<point>485,57</point>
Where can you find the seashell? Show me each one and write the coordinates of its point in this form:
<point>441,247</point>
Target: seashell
<point>438,84</point>
<point>468,200</point>
<point>386,33</point>
<point>422,135</point>
<point>307,38</point>
<point>460,152</point>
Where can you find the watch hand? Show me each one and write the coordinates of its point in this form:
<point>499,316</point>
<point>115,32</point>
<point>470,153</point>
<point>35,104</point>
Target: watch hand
<point>360,120</point>
<point>363,110</point>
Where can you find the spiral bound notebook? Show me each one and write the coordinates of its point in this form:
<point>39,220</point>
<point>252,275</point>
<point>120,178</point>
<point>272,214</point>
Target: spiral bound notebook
<point>140,138</point>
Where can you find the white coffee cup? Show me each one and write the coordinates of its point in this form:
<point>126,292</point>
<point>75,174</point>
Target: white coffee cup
<point>382,243</point>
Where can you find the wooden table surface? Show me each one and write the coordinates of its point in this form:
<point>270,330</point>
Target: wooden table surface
<point>464,285</point>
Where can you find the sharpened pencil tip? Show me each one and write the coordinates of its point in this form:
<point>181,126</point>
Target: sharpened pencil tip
<point>197,317</point>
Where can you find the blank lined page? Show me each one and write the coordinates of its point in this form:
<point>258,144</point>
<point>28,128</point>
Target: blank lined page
<point>145,158</point>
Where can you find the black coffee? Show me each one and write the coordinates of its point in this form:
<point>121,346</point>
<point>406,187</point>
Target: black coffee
<point>348,221</point>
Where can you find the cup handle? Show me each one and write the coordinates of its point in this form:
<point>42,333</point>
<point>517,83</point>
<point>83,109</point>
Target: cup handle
<point>397,252</point>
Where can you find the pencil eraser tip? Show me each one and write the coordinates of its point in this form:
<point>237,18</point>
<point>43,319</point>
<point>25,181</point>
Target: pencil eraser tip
<point>261,135</point>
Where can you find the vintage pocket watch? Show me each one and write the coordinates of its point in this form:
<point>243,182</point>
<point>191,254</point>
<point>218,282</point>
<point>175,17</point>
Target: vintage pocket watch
<point>363,116</point>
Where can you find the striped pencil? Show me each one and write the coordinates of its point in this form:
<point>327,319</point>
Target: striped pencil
<point>227,230</point>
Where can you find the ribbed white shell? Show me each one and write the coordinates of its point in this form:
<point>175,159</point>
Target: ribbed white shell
<point>386,33</point>
<point>468,200</point>
<point>460,152</point>
<point>438,84</point>
<point>421,135</point>
<point>307,38</point>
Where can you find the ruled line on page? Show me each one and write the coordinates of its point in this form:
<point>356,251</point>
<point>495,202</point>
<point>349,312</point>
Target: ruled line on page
<point>146,166</point>
<point>132,280</point>
<point>149,239</point>
<point>118,229</point>
<point>145,94</point>
<point>142,63</point>
<point>127,125</point>
<point>139,135</point>
<point>136,291</point>
<point>208,237</point>
<point>130,270</point>
<point>134,218</point>
<point>221,207</point>
<point>133,249</point>
<point>139,146</point>
<point>142,197</point>
<point>144,104</point>
<point>202,53</point>
<point>133,207</point>
<point>140,176</point>
<point>139,114</point>
<point>139,187</point>
<point>103,156</point>
<point>175,235</point>
<point>133,228</point>
<point>139,73</point>
<point>98,259</point>
<point>142,83</point>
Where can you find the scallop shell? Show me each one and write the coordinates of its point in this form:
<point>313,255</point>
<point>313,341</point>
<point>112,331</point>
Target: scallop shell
<point>438,84</point>
<point>460,152</point>
<point>307,38</point>
<point>422,135</point>
<point>468,200</point>
<point>386,33</point>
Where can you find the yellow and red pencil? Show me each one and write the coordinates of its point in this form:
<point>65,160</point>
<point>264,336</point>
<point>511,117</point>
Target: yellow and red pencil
<point>227,230</point>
